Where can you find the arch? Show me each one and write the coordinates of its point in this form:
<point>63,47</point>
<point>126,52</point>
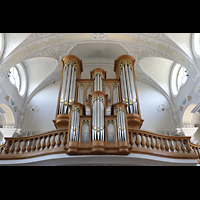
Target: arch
<point>158,69</point>
<point>191,119</point>
<point>54,45</point>
<point>6,116</point>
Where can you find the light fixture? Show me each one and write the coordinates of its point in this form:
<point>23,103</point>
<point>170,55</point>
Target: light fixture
<point>162,108</point>
<point>33,108</point>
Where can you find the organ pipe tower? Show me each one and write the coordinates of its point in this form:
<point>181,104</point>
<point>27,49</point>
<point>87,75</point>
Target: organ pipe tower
<point>98,113</point>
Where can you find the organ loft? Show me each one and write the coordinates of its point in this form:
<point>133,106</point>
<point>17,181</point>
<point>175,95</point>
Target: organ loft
<point>98,112</point>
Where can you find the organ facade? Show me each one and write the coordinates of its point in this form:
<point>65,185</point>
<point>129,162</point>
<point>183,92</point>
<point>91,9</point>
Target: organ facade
<point>98,112</point>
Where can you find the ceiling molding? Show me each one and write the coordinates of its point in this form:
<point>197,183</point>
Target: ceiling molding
<point>57,45</point>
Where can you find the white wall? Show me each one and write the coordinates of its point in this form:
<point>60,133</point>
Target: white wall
<point>46,100</point>
<point>154,121</point>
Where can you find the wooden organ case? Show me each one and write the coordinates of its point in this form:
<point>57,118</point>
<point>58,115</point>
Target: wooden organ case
<point>98,112</point>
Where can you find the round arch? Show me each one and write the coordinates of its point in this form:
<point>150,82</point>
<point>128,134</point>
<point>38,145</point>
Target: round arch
<point>6,116</point>
<point>190,119</point>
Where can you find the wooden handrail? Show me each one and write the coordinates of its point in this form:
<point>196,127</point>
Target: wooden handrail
<point>162,145</point>
<point>140,142</point>
<point>31,146</point>
<point>196,148</point>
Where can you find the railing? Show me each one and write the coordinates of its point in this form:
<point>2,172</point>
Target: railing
<point>161,145</point>
<point>25,147</point>
<point>140,142</point>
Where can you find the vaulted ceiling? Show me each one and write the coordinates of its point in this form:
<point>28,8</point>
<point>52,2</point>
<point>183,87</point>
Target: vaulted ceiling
<point>41,53</point>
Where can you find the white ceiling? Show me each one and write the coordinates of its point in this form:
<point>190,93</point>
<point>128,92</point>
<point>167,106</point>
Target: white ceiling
<point>41,52</point>
<point>158,69</point>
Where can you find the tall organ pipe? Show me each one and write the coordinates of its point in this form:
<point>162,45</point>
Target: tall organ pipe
<point>63,90</point>
<point>133,90</point>
<point>66,98</point>
<point>129,89</point>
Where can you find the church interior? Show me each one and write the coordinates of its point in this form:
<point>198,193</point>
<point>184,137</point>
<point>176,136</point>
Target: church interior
<point>110,98</point>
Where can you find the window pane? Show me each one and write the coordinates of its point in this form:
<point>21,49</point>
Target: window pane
<point>14,77</point>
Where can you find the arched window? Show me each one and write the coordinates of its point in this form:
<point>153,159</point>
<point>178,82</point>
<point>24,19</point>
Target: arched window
<point>179,78</point>
<point>17,77</point>
<point>14,77</point>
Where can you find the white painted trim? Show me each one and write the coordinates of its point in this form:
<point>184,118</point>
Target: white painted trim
<point>100,160</point>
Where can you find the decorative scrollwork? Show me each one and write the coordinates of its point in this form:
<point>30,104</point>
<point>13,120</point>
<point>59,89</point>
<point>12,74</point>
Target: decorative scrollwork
<point>110,121</point>
<point>73,63</point>
<point>97,97</point>
<point>125,62</point>
<point>85,121</point>
<point>76,108</point>
<point>81,85</point>
<point>96,73</point>
<point>119,108</point>
<point>114,85</point>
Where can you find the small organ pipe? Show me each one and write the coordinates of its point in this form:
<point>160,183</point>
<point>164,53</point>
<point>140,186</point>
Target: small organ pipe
<point>117,94</point>
<point>101,83</point>
<point>122,88</point>
<point>114,96</point>
<point>118,130</point>
<point>78,100</point>
<point>71,129</point>
<point>74,87</point>
<point>124,125</point>
<point>98,119</point>
<point>97,82</point>
<point>100,115</point>
<point>77,127</point>
<point>121,125</point>
<point>74,127</point>
<point>95,118</point>
<point>95,85</point>
<point>97,77</point>
<point>71,86</point>
<point>133,90</point>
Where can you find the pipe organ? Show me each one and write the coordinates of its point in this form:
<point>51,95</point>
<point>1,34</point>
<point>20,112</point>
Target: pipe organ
<point>98,112</point>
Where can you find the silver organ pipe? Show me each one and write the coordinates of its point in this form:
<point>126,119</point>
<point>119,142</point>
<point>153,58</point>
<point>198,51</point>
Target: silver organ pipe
<point>134,99</point>
<point>98,109</point>
<point>98,82</point>
<point>102,120</point>
<point>63,90</point>
<point>98,118</point>
<point>66,100</point>
<point>68,89</point>
<point>115,93</point>
<point>75,122</point>
<point>98,129</point>
<point>80,98</point>
<point>121,125</point>
<point>128,89</point>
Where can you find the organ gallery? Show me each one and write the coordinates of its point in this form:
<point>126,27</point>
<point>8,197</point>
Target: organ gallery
<point>98,112</point>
